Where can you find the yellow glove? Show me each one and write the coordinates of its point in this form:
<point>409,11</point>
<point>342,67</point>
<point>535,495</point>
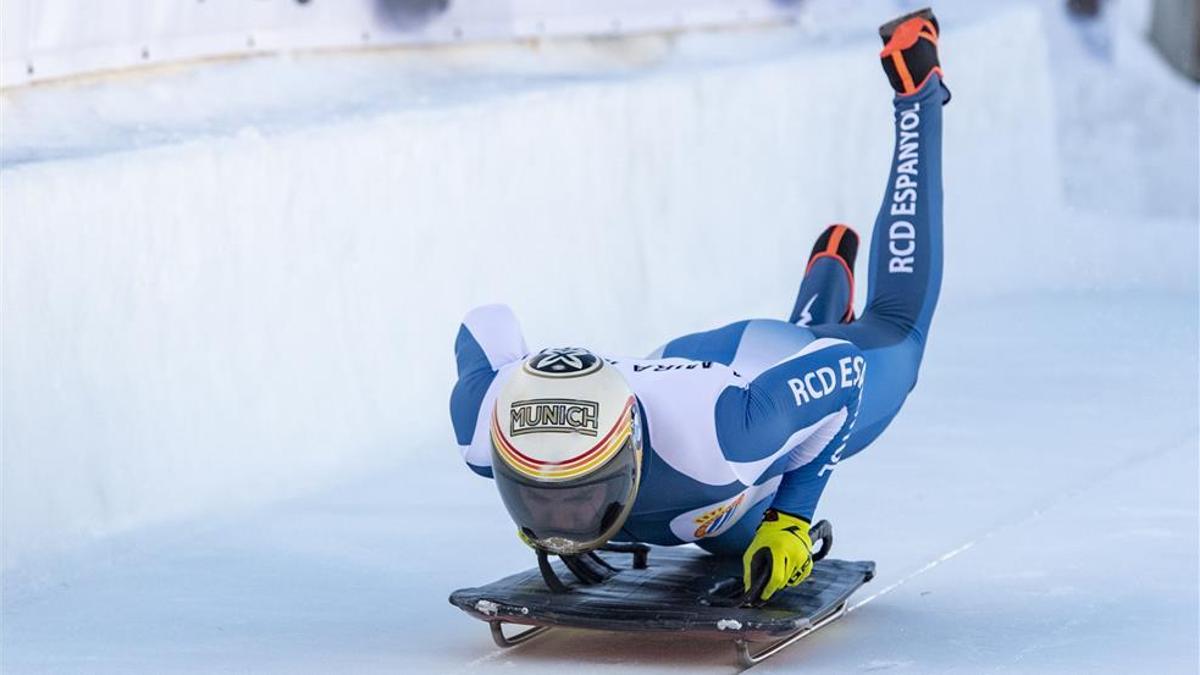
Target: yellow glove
<point>781,552</point>
<point>525,539</point>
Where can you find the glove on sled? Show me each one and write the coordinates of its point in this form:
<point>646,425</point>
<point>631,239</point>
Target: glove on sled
<point>783,551</point>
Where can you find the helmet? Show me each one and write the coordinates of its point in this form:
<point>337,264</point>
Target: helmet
<point>567,449</point>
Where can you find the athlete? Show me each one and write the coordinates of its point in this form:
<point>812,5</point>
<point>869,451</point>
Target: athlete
<point>724,438</point>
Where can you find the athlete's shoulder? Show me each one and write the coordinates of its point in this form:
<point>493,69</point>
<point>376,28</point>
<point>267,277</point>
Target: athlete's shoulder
<point>489,337</point>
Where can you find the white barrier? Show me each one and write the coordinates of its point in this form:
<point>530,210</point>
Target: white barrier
<point>44,39</point>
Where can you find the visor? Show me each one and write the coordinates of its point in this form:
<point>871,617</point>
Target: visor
<point>575,516</point>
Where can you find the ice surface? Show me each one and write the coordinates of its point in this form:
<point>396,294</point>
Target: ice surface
<point>1063,483</point>
<point>225,442</point>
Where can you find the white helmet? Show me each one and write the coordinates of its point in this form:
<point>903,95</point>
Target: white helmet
<point>567,449</point>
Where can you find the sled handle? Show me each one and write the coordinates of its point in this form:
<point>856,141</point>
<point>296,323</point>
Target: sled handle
<point>760,574</point>
<point>760,565</point>
<point>822,532</point>
<point>584,572</point>
<point>731,592</point>
<point>552,581</point>
<point>591,573</point>
<point>640,552</point>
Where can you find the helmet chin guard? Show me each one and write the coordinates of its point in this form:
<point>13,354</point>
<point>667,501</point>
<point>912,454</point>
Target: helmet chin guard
<point>566,449</point>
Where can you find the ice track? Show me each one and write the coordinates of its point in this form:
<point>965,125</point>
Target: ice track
<point>1070,547</point>
<point>227,334</point>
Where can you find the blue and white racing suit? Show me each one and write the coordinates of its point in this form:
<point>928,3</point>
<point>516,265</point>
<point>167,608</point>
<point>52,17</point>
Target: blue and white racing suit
<point>758,413</point>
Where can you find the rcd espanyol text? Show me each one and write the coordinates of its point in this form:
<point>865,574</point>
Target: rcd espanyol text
<point>825,380</point>
<point>901,234</point>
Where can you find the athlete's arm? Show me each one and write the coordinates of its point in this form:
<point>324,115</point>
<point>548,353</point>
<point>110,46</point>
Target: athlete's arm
<point>795,418</point>
<point>792,419</point>
<point>489,339</point>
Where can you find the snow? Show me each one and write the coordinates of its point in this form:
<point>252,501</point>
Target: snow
<point>218,454</point>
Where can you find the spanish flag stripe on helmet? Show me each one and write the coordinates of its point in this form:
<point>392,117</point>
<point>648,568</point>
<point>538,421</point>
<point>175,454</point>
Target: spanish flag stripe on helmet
<point>545,472</point>
<point>601,451</point>
<point>573,467</point>
<point>624,419</point>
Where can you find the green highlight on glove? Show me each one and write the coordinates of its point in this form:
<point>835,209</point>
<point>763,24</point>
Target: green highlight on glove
<point>525,539</point>
<point>781,551</point>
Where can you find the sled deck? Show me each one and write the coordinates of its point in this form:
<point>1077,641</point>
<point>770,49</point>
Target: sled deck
<point>678,590</point>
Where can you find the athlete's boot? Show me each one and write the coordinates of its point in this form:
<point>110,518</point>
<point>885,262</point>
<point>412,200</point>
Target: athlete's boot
<point>826,294</point>
<point>910,51</point>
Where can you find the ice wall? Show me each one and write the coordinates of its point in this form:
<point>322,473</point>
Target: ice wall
<point>225,320</point>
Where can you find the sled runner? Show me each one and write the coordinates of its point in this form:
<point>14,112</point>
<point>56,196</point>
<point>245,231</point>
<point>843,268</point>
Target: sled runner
<point>665,589</point>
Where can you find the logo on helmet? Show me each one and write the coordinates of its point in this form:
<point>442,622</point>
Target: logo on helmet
<point>554,415</point>
<point>563,362</point>
<point>542,463</point>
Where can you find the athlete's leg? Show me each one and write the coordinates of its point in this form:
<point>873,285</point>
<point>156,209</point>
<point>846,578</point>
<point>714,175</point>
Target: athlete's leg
<point>826,295</point>
<point>905,265</point>
<point>906,258</point>
<point>827,292</point>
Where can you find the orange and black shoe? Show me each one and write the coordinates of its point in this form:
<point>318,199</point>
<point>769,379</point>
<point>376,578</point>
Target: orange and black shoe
<point>910,51</point>
<point>840,243</point>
